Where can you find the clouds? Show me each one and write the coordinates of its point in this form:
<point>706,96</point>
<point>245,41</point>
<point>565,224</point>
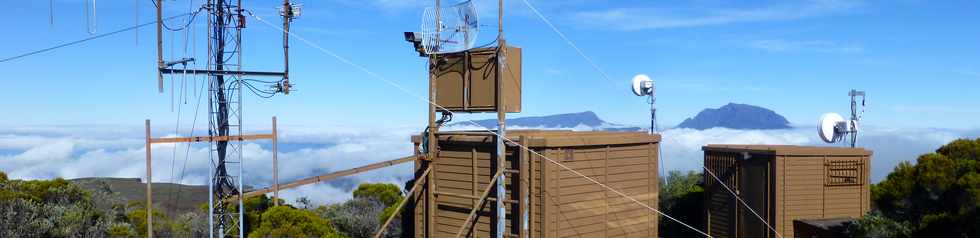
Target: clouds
<point>313,151</point>
<point>682,147</point>
<point>640,18</point>
<point>305,152</point>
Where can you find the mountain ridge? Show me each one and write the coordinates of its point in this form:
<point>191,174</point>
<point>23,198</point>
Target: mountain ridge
<point>564,120</point>
<point>736,116</point>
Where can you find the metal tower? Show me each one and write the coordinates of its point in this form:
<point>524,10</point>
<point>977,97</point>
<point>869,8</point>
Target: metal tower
<point>226,80</point>
<point>225,117</point>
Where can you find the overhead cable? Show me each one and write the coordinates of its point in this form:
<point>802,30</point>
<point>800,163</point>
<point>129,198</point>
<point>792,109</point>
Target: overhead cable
<point>568,41</point>
<point>85,39</point>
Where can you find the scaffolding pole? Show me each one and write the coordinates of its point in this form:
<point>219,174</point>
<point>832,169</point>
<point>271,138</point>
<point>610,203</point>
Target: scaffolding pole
<point>171,140</point>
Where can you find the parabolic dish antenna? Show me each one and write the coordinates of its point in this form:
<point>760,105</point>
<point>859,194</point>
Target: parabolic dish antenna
<point>828,127</point>
<point>454,31</point>
<point>833,128</point>
<point>642,85</point>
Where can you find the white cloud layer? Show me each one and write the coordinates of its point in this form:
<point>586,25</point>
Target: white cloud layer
<point>74,153</point>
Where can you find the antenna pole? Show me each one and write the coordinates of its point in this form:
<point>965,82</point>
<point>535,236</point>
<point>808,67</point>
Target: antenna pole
<point>433,141</point>
<point>160,64</point>
<point>501,124</point>
<point>854,114</point>
<point>287,17</point>
<point>653,115</point>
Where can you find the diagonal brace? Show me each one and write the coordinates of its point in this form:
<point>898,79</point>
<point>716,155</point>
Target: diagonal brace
<point>415,187</point>
<point>479,206</point>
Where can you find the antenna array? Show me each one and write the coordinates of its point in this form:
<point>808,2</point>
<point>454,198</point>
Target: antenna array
<point>832,127</point>
<point>226,81</point>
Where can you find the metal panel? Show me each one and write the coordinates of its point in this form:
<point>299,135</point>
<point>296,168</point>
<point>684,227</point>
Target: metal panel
<point>467,81</point>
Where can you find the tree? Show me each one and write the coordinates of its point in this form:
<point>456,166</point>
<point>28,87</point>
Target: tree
<point>286,221</point>
<point>939,195</point>
<point>137,217</point>
<point>682,198</point>
<point>254,208</point>
<point>357,217</point>
<point>386,193</point>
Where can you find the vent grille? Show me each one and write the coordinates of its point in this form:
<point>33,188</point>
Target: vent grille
<point>844,173</point>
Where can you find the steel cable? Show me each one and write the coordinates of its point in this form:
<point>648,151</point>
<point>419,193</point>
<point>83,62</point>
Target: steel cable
<point>84,40</point>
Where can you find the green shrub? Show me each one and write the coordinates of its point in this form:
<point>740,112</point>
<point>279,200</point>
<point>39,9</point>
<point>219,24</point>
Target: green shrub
<point>285,221</point>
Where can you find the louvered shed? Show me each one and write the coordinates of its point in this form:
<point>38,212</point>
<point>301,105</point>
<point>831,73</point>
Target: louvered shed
<point>782,183</point>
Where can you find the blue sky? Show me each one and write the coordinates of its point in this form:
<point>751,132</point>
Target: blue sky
<point>918,60</point>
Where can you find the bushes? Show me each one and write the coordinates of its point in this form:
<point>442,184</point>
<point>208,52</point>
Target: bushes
<point>874,225</point>
<point>286,221</point>
<point>357,217</point>
<point>60,208</point>
<point>938,196</point>
<point>52,208</point>
<point>386,193</point>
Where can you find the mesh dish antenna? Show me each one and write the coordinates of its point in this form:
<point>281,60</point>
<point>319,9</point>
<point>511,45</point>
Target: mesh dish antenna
<point>833,128</point>
<point>456,31</point>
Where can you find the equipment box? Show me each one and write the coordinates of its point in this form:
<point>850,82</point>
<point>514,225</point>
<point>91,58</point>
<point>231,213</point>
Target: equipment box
<point>467,81</point>
<point>559,202</point>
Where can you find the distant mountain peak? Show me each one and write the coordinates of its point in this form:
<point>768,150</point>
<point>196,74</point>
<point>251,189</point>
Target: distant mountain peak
<point>736,116</point>
<point>566,120</point>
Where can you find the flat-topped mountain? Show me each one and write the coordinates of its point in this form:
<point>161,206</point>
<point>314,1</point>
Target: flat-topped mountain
<point>736,116</point>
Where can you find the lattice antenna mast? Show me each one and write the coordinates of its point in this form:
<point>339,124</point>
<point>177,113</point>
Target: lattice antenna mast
<point>226,81</point>
<point>223,185</point>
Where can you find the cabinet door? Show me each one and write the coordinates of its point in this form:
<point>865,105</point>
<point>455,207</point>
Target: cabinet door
<point>483,79</point>
<point>754,189</point>
<point>449,72</point>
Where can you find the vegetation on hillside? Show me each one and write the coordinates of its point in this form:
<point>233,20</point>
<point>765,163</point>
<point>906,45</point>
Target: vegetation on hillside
<point>60,208</point>
<point>937,196</point>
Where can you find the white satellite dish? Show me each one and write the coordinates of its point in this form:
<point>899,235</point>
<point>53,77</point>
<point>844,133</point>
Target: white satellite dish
<point>454,31</point>
<point>833,128</point>
<point>642,85</point>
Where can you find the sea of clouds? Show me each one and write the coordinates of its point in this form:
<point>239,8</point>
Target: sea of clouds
<point>103,151</point>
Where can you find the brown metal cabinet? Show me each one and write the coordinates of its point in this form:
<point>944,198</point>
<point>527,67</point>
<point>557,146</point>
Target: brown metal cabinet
<point>467,81</point>
<point>560,203</point>
<point>782,183</point>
